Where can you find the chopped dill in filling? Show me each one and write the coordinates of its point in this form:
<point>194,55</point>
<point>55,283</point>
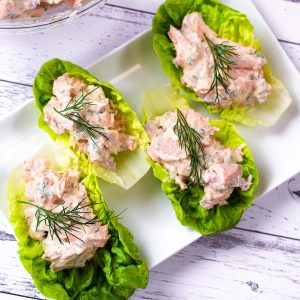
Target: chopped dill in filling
<point>223,73</point>
<point>59,213</point>
<point>95,126</point>
<point>183,143</point>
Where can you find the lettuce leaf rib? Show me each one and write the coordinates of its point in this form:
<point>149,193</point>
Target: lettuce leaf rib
<point>131,165</point>
<point>113,273</point>
<point>185,203</point>
<point>227,23</point>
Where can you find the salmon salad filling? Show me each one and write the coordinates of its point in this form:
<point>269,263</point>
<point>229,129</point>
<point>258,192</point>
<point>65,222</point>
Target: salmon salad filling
<point>11,9</point>
<point>199,56</point>
<point>56,192</point>
<point>95,126</point>
<point>222,172</point>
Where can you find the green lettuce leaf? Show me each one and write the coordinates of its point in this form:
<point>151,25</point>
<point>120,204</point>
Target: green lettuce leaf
<point>186,202</point>
<point>131,165</point>
<point>113,273</point>
<point>227,23</point>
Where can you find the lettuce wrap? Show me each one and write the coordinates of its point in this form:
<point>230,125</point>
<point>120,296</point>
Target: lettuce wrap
<point>232,25</point>
<point>131,165</point>
<point>186,204</point>
<point>113,273</point>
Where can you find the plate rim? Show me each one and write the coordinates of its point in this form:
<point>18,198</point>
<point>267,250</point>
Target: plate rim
<point>124,45</point>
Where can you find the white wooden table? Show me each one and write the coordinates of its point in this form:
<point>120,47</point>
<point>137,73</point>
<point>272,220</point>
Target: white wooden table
<point>260,259</point>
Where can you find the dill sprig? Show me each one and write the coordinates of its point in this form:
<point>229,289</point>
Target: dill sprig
<point>71,112</point>
<point>224,57</point>
<point>79,103</point>
<point>68,221</point>
<point>190,139</point>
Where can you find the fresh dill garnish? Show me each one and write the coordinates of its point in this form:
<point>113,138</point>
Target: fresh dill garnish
<point>79,103</point>
<point>68,221</point>
<point>190,140</point>
<point>71,112</point>
<point>224,57</point>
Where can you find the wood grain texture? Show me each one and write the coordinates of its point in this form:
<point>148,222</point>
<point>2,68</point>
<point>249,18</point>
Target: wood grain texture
<point>293,51</point>
<point>81,42</point>
<point>277,212</point>
<point>13,96</point>
<point>13,277</point>
<point>258,261</point>
<point>281,16</point>
<point>106,28</point>
<point>232,265</point>
<point>152,5</point>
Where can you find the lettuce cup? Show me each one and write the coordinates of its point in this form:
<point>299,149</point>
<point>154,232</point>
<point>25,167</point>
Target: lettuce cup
<point>210,52</point>
<point>93,120</point>
<point>205,167</point>
<point>69,241</point>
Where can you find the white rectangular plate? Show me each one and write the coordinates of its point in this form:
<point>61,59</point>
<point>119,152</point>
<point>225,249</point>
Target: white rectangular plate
<point>149,215</point>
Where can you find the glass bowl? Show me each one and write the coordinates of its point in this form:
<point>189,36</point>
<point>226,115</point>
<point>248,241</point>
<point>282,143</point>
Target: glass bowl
<point>54,16</point>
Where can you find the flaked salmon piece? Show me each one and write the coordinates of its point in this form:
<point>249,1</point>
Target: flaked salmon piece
<point>99,112</point>
<point>55,191</point>
<point>223,171</point>
<point>246,82</point>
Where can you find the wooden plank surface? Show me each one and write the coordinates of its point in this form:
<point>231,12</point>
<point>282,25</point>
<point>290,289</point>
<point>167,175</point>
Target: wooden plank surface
<point>226,266</point>
<point>276,213</point>
<point>92,36</point>
<point>14,83</point>
<point>260,260</point>
<point>81,42</point>
<point>283,19</point>
<point>13,96</point>
<point>233,265</point>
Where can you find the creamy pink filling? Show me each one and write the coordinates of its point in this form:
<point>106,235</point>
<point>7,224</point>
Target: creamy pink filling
<point>10,9</point>
<point>247,85</point>
<point>54,190</point>
<point>223,170</point>
<point>101,113</point>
